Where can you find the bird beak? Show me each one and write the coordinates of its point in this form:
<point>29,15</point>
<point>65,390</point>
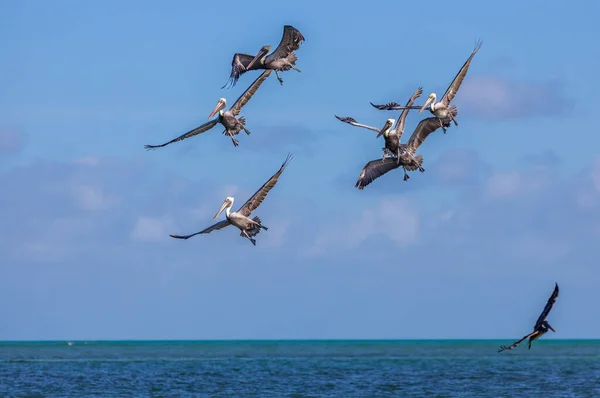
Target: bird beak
<point>387,126</point>
<point>429,100</point>
<point>220,105</point>
<point>551,328</point>
<point>223,206</point>
<point>260,54</point>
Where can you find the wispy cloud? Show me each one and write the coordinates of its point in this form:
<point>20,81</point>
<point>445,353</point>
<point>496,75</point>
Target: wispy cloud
<point>496,97</point>
<point>12,140</point>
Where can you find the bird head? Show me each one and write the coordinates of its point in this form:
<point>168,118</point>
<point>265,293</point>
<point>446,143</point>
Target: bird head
<point>386,128</point>
<point>221,104</point>
<point>430,100</point>
<point>227,203</point>
<point>260,56</point>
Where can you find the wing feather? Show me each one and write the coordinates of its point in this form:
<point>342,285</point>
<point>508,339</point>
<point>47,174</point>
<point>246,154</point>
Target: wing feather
<point>423,129</point>
<point>548,307</point>
<point>290,42</point>
<point>198,130</point>
<point>402,120</point>
<point>455,85</point>
<point>353,122</point>
<point>245,97</point>
<point>392,106</point>
<point>375,169</point>
<point>261,194</point>
<point>516,343</point>
<point>239,66</point>
<point>214,227</point>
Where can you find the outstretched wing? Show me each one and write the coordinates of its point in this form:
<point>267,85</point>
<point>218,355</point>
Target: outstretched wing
<point>375,169</point>
<point>516,343</point>
<point>261,194</point>
<point>424,128</point>
<point>548,307</point>
<point>353,122</point>
<point>455,85</point>
<point>290,41</point>
<point>239,66</point>
<point>245,97</point>
<point>198,130</point>
<point>401,121</point>
<point>219,225</point>
<point>392,106</point>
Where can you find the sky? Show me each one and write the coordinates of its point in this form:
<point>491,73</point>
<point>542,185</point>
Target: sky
<point>471,248</point>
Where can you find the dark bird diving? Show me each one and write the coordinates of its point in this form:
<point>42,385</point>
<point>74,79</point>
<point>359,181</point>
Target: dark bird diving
<point>233,125</point>
<point>249,227</point>
<point>541,325</point>
<point>282,59</point>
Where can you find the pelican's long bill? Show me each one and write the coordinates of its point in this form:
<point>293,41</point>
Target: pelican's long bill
<point>429,101</point>
<point>386,127</point>
<point>223,207</point>
<point>550,327</point>
<point>220,105</point>
<point>263,51</point>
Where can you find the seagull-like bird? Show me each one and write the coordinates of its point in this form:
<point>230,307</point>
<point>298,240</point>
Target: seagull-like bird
<point>541,325</point>
<point>439,109</point>
<point>282,59</point>
<point>233,125</point>
<point>249,227</point>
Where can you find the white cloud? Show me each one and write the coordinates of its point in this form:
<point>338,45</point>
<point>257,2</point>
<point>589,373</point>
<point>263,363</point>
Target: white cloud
<point>394,217</point>
<point>498,97</point>
<point>92,198</point>
<point>152,229</point>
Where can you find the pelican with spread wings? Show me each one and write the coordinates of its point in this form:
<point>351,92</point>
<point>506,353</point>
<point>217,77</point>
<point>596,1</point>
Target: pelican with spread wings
<point>541,325</point>
<point>439,109</point>
<point>376,168</point>
<point>392,136</point>
<point>282,59</point>
<point>249,227</point>
<point>233,125</point>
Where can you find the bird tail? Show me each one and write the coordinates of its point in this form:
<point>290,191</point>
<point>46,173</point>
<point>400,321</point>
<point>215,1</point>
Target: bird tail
<point>453,110</point>
<point>416,164</point>
<point>255,229</point>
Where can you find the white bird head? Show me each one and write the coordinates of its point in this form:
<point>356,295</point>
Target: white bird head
<point>227,204</point>
<point>430,101</point>
<point>221,104</point>
<point>386,128</point>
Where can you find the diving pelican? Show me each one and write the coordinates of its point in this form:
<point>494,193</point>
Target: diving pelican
<point>282,59</point>
<point>392,136</point>
<point>439,109</point>
<point>541,325</point>
<point>233,125</point>
<point>376,168</point>
<point>241,218</point>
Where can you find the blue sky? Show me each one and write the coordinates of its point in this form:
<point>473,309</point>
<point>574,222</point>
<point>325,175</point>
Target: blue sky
<point>509,202</point>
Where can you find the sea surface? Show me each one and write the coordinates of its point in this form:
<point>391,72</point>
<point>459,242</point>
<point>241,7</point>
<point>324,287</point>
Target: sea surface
<point>450,368</point>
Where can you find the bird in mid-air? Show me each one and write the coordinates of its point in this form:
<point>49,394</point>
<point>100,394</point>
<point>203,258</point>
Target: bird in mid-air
<point>233,125</point>
<point>282,59</point>
<point>249,227</point>
<point>541,325</point>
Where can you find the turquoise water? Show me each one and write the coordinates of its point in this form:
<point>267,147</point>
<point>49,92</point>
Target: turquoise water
<point>456,368</point>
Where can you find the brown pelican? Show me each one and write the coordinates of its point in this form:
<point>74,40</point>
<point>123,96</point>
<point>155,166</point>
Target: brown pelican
<point>541,325</point>
<point>385,130</point>
<point>233,125</point>
<point>282,59</point>
<point>241,218</point>
<point>376,168</point>
<point>439,109</point>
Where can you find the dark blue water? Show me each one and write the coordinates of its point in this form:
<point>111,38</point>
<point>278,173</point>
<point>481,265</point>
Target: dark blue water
<point>300,369</point>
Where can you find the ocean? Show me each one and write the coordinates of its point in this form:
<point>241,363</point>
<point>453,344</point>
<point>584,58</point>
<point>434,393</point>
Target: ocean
<point>430,368</point>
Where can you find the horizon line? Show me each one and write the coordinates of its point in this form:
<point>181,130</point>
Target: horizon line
<point>249,340</point>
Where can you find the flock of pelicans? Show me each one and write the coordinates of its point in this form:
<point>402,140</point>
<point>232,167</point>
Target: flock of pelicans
<point>395,153</point>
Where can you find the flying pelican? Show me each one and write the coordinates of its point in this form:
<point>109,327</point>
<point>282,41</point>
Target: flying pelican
<point>282,59</point>
<point>439,109</point>
<point>541,325</point>
<point>391,136</point>
<point>241,218</point>
<point>233,125</point>
<point>376,168</point>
